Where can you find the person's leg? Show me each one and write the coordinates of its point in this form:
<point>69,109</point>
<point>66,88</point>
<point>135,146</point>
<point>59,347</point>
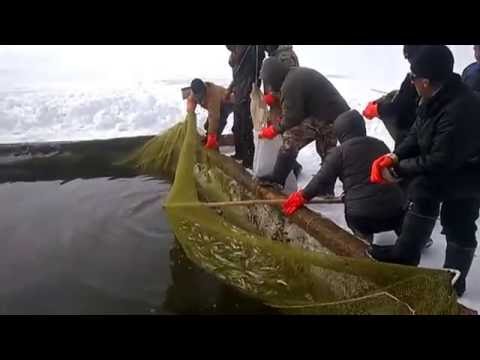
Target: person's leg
<point>359,227</point>
<point>237,119</point>
<point>274,118</point>
<point>417,225</point>
<point>225,111</point>
<point>294,140</point>
<point>246,131</point>
<point>325,139</point>
<point>458,221</point>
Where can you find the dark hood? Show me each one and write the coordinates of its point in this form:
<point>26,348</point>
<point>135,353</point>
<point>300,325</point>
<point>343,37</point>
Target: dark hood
<point>348,125</point>
<point>273,73</point>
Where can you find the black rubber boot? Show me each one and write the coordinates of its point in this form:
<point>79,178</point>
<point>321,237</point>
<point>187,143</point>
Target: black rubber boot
<point>428,243</point>
<point>459,258</point>
<point>416,230</point>
<point>283,166</point>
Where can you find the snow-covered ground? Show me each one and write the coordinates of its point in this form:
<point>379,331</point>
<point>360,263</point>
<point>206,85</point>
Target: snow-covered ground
<point>43,98</point>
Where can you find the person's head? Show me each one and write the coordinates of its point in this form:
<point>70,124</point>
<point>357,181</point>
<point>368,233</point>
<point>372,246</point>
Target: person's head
<point>476,51</point>
<point>349,125</point>
<point>410,51</point>
<point>199,90</point>
<point>273,73</point>
<point>431,68</point>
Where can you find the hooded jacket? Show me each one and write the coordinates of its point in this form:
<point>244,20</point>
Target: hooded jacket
<point>351,162</point>
<point>304,93</point>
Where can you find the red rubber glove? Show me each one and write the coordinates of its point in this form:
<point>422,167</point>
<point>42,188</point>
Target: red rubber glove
<point>384,161</point>
<point>212,142</point>
<point>270,99</point>
<point>371,111</point>
<point>294,202</point>
<point>269,133</point>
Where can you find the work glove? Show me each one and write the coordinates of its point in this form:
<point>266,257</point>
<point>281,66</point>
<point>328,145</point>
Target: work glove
<point>294,202</point>
<point>379,165</point>
<point>269,133</point>
<point>212,142</point>
<point>371,111</point>
<point>270,99</point>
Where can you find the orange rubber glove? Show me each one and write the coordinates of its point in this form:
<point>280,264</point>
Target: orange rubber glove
<point>294,202</point>
<point>269,133</point>
<point>270,99</point>
<point>384,161</point>
<point>371,111</point>
<point>212,142</point>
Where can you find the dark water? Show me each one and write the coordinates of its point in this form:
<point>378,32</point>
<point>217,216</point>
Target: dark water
<point>100,246</point>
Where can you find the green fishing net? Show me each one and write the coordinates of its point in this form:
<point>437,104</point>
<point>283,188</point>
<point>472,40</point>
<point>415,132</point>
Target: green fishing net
<point>262,254</point>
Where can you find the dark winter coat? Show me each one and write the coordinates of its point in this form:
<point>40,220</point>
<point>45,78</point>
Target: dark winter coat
<point>399,114</point>
<point>351,162</point>
<point>444,142</point>
<point>246,61</point>
<point>307,93</point>
<point>471,76</point>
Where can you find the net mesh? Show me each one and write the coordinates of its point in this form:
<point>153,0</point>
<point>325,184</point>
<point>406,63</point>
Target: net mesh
<point>256,250</point>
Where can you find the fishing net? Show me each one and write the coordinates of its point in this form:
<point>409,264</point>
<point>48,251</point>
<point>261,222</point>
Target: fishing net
<point>263,255</point>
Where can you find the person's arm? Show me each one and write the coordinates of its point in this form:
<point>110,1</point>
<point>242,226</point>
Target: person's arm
<point>409,146</point>
<point>440,157</point>
<point>293,109</point>
<point>403,100</point>
<point>191,104</point>
<point>328,174</point>
<point>214,115</point>
<point>476,82</point>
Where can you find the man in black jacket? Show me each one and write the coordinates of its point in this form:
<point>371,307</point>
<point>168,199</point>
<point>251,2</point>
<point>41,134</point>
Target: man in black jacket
<point>246,61</point>
<point>310,104</point>
<point>471,74</point>
<point>369,208</point>
<point>442,156</point>
<point>397,110</point>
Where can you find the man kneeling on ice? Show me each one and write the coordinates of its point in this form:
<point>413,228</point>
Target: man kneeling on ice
<point>310,104</point>
<point>369,208</point>
<point>441,155</point>
<point>212,98</point>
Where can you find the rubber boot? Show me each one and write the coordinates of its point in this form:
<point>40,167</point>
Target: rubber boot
<point>427,245</point>
<point>416,230</point>
<point>283,166</point>
<point>459,258</point>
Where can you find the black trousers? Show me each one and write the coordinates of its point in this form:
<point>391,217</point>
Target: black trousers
<point>457,215</point>
<point>368,226</point>
<point>243,132</point>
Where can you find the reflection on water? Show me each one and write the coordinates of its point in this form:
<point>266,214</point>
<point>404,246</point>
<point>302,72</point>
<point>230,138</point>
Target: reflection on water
<point>100,246</point>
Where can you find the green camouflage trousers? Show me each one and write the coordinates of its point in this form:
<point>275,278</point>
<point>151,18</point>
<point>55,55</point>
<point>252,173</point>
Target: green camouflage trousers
<point>310,129</point>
